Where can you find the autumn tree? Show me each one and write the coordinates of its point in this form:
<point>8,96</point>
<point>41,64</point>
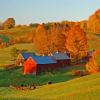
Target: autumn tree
<point>1,26</point>
<point>97,57</point>
<point>49,39</point>
<point>33,24</point>
<point>94,22</point>
<point>57,39</point>
<point>93,65</point>
<point>9,23</point>
<point>83,25</point>
<point>41,41</point>
<point>76,43</point>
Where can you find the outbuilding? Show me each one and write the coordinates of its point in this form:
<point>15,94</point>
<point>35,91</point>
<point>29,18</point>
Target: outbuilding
<point>63,59</point>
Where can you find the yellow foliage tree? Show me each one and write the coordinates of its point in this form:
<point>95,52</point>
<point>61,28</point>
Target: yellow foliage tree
<point>41,40</point>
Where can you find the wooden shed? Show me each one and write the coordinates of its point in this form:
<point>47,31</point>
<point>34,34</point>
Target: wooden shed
<point>39,64</point>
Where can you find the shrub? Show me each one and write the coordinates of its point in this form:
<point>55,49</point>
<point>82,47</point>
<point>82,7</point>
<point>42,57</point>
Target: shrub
<point>79,73</point>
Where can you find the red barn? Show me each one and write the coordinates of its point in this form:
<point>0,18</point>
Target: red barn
<point>39,64</point>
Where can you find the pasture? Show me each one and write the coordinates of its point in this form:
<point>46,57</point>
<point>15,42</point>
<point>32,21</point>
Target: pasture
<point>83,88</point>
<point>16,77</point>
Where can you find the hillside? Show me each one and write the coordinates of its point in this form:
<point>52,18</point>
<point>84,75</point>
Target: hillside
<point>84,88</point>
<point>16,32</point>
<point>5,53</point>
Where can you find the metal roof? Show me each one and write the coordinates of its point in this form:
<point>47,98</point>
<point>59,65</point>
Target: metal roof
<point>60,56</point>
<point>26,55</point>
<point>44,60</point>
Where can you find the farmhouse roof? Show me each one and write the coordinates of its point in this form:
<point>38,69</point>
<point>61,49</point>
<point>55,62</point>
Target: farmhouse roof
<point>44,60</point>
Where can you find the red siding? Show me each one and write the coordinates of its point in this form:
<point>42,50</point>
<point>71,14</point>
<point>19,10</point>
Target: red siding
<point>29,66</point>
<point>63,62</point>
<point>45,68</point>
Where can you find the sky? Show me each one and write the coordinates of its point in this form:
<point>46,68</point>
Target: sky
<point>39,11</point>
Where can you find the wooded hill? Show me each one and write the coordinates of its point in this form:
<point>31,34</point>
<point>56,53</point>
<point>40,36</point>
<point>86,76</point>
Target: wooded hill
<point>19,33</point>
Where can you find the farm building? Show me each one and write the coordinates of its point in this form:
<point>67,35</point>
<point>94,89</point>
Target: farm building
<point>39,64</point>
<point>22,57</point>
<point>62,59</point>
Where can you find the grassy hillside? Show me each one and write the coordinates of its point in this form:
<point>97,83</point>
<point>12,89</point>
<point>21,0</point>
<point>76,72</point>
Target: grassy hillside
<point>17,31</point>
<point>5,53</point>
<point>84,88</point>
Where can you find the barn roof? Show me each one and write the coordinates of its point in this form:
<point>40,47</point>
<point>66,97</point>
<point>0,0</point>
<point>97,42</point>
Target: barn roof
<point>26,55</point>
<point>44,60</point>
<point>60,56</point>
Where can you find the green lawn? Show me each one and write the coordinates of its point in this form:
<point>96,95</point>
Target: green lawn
<point>83,88</point>
<point>5,53</point>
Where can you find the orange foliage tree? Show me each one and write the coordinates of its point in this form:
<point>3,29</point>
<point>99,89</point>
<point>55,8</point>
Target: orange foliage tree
<point>9,23</point>
<point>41,40</point>
<point>94,22</point>
<point>91,65</point>
<point>83,25</point>
<point>49,40</point>
<point>57,39</point>
<point>76,43</point>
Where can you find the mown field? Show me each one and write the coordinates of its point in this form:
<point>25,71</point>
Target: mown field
<point>83,88</point>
